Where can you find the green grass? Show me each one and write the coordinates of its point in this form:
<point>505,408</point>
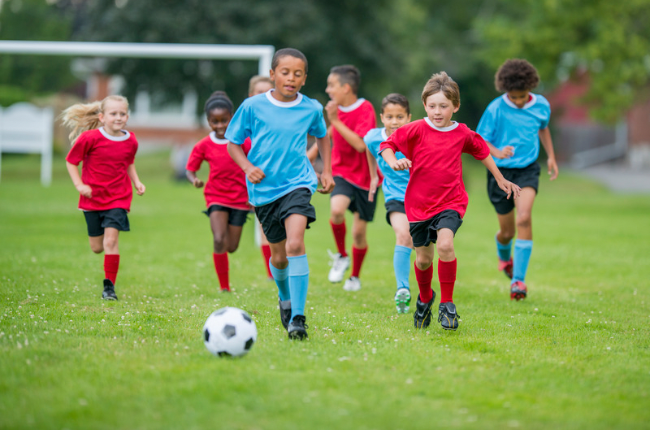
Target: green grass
<point>575,354</point>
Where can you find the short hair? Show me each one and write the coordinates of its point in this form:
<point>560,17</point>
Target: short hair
<point>82,117</point>
<point>348,74</point>
<point>396,99</point>
<point>441,82</point>
<point>516,74</point>
<point>218,100</point>
<point>256,80</point>
<point>288,52</point>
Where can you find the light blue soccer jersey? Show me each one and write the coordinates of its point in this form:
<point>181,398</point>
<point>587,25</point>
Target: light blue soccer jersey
<point>395,182</point>
<point>278,132</point>
<point>504,124</point>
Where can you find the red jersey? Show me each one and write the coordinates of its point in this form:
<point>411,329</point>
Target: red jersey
<point>436,182</point>
<point>226,185</point>
<point>104,159</point>
<point>347,162</point>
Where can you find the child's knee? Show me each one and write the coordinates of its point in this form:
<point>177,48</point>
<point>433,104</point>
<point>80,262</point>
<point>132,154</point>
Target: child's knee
<point>109,243</point>
<point>220,244</point>
<point>524,220</point>
<point>97,249</point>
<point>445,247</point>
<point>295,246</point>
<point>422,262</point>
<point>337,217</point>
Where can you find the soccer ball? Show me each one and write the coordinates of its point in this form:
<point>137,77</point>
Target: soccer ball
<point>229,332</point>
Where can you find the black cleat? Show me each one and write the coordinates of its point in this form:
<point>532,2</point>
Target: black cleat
<point>447,316</point>
<point>285,312</point>
<point>422,314</point>
<point>109,290</point>
<point>297,328</point>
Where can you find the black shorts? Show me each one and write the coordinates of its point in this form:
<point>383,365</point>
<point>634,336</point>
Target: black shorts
<point>425,232</point>
<point>358,198</point>
<point>525,177</point>
<point>97,221</point>
<point>393,206</point>
<point>236,217</point>
<point>272,215</point>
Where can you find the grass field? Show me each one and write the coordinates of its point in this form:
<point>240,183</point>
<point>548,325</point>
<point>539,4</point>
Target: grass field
<point>575,354</point>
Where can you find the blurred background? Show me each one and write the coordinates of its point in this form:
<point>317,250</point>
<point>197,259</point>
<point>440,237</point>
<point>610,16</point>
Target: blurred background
<point>593,57</point>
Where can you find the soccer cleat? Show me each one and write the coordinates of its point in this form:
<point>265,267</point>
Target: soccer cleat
<point>422,314</point>
<point>518,291</point>
<point>109,290</point>
<point>506,267</point>
<point>297,328</point>
<point>402,300</point>
<point>285,312</point>
<point>447,316</point>
<point>352,284</point>
<point>339,266</point>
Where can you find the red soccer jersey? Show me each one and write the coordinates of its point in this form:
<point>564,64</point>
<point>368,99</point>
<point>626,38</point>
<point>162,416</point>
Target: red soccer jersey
<point>436,182</point>
<point>347,162</point>
<point>105,159</point>
<point>226,185</point>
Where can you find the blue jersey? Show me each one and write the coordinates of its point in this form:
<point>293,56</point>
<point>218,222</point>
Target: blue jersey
<point>278,132</point>
<point>504,124</point>
<point>395,182</point>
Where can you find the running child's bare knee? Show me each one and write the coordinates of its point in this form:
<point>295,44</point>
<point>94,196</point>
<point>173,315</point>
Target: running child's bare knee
<point>295,247</point>
<point>220,244</point>
<point>445,248</point>
<point>524,220</point>
<point>97,249</point>
<point>422,262</point>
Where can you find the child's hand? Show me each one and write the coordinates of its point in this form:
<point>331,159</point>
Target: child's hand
<point>506,152</point>
<point>254,174</point>
<point>401,164</point>
<point>373,188</point>
<point>552,168</point>
<point>510,189</point>
<point>140,188</point>
<point>332,109</point>
<point>197,183</point>
<point>85,191</point>
<point>327,183</point>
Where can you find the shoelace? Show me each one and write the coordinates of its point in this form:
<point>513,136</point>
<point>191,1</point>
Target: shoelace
<point>302,320</point>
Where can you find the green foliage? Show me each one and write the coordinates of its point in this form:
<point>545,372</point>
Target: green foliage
<point>26,76</point>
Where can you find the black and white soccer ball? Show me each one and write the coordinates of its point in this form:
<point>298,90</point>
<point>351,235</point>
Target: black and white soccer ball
<point>229,332</point>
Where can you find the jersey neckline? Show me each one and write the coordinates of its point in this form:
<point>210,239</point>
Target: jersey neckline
<point>353,106</point>
<point>115,138</point>
<point>283,104</point>
<point>528,104</point>
<point>448,128</point>
<point>215,139</point>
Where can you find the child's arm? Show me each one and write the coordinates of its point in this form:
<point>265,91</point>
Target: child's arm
<point>83,189</point>
<point>507,186</point>
<point>350,136</point>
<point>325,150</point>
<point>506,152</point>
<point>191,176</point>
<point>312,153</point>
<point>393,162</point>
<point>374,177</point>
<point>254,174</point>
<point>547,143</point>
<point>139,186</point>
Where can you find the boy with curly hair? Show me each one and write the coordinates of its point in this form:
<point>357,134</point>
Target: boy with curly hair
<point>513,125</point>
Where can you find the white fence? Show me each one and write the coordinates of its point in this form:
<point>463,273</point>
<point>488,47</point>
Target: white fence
<point>25,128</point>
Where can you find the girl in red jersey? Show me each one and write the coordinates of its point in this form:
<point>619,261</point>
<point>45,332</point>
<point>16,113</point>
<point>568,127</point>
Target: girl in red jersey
<point>107,152</point>
<point>225,191</point>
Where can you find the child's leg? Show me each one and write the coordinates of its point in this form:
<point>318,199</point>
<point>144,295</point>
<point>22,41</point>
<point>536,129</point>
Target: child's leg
<point>234,235</point>
<point>359,244</point>
<point>96,243</point>
<point>295,225</point>
<point>279,269</point>
<point>111,253</point>
<point>219,226</point>
<point>424,271</point>
<point>505,235</point>
<point>524,243</point>
<point>403,247</point>
<point>446,264</point>
<point>266,251</point>
<point>338,205</point>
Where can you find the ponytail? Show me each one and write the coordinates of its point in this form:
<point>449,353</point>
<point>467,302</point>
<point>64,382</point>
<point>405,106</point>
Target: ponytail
<point>85,116</point>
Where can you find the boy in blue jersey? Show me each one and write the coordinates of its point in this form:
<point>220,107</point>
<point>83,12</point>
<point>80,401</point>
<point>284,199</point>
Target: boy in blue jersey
<point>395,112</point>
<point>513,126</point>
<point>280,178</point>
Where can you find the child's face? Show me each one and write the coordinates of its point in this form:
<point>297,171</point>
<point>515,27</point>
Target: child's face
<point>218,119</point>
<point>289,77</point>
<point>393,117</point>
<point>519,97</point>
<point>440,109</point>
<point>335,90</point>
<point>114,117</point>
<point>260,87</point>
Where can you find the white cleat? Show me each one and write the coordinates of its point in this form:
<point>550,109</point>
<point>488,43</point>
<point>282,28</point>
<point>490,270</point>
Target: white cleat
<point>339,266</point>
<point>352,284</point>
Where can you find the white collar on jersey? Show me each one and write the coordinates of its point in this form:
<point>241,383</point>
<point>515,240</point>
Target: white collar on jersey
<point>384,136</point>
<point>283,104</point>
<point>528,104</point>
<point>352,107</point>
<point>115,138</point>
<point>451,127</point>
<point>215,139</point>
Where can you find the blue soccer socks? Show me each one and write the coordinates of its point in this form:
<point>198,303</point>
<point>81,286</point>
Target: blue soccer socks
<point>523,249</point>
<point>298,283</point>
<point>402,265</point>
<point>503,251</point>
<point>280,276</point>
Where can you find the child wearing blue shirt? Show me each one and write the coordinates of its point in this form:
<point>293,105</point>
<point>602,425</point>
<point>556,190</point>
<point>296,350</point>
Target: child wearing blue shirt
<point>513,125</point>
<point>280,178</point>
<point>395,112</point>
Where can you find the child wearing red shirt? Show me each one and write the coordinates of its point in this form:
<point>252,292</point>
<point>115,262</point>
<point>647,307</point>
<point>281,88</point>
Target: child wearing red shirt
<point>108,155</point>
<point>225,192</point>
<point>436,199</point>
